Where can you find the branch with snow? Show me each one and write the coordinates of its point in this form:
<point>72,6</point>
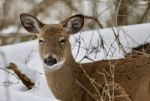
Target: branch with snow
<point>24,78</point>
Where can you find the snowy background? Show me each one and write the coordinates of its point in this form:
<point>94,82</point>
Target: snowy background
<point>99,39</point>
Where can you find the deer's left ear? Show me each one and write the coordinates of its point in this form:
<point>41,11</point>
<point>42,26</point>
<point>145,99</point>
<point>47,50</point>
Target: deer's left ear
<point>31,23</point>
<point>74,24</point>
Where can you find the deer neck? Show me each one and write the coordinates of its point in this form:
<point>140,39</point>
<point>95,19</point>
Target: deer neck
<point>63,81</point>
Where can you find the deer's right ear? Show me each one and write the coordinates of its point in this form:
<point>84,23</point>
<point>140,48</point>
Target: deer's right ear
<point>31,23</point>
<point>74,23</point>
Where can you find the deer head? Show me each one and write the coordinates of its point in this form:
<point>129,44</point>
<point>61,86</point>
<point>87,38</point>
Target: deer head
<point>53,39</point>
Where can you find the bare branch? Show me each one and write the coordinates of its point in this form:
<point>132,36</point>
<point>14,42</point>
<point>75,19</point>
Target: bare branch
<point>15,37</point>
<point>42,6</point>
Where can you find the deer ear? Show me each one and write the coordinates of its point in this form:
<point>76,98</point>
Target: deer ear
<point>74,24</point>
<point>31,23</point>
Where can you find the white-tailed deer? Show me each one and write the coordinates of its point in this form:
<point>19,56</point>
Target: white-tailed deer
<point>107,80</point>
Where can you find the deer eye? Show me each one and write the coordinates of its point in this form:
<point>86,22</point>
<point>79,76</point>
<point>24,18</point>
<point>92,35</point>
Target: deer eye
<point>42,42</point>
<point>62,40</point>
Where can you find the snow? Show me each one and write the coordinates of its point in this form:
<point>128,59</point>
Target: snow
<point>130,36</point>
<point>26,57</point>
<point>11,29</point>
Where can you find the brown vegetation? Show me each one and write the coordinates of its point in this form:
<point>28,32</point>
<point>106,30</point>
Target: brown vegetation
<point>141,50</point>
<point>121,12</point>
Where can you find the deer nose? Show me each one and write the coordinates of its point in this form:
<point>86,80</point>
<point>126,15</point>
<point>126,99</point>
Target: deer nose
<point>50,61</point>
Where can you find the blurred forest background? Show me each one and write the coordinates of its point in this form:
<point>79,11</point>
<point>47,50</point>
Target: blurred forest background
<point>98,14</point>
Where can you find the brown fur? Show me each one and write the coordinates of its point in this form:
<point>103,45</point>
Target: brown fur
<point>132,74</point>
<point>128,78</point>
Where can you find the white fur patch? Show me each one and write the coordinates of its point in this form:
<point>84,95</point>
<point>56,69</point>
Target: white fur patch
<point>55,66</point>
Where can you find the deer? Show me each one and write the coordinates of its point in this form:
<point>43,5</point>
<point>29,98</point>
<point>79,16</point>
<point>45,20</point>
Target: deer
<point>72,81</point>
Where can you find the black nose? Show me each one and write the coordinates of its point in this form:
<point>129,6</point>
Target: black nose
<point>50,61</point>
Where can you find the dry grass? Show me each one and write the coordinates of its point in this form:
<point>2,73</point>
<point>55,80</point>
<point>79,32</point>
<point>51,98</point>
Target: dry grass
<point>110,90</point>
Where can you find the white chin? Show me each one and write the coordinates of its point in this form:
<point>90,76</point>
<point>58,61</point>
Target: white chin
<point>54,67</point>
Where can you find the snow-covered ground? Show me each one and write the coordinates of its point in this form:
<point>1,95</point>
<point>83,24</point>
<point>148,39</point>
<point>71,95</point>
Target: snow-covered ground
<point>26,56</point>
